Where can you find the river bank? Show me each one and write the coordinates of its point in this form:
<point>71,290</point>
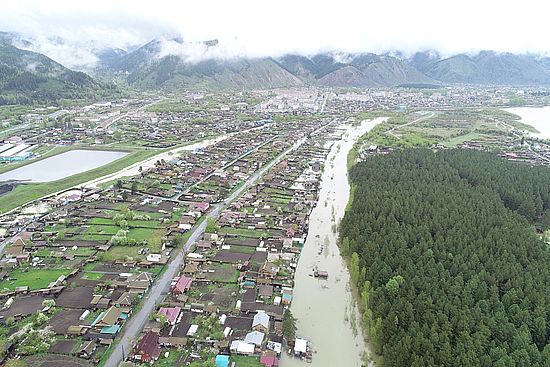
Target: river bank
<point>538,117</point>
<point>326,311</point>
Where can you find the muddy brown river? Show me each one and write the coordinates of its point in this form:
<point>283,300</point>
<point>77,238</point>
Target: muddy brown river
<point>326,312</point>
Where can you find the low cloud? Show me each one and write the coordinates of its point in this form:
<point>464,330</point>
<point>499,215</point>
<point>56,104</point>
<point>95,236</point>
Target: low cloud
<point>78,56</point>
<point>256,29</point>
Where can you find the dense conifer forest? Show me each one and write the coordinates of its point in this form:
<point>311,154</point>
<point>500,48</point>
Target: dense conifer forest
<point>444,252</point>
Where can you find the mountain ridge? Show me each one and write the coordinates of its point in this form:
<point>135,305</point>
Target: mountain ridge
<point>172,64</point>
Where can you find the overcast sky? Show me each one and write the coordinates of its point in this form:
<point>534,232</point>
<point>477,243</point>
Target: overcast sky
<point>271,28</point>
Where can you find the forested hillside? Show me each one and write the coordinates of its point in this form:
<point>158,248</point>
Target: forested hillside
<point>29,77</point>
<point>445,255</point>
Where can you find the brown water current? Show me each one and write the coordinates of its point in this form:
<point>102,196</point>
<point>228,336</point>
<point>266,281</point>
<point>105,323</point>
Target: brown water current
<point>326,311</point>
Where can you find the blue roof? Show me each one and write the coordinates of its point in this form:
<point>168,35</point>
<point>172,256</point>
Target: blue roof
<point>110,329</point>
<point>287,297</point>
<point>222,360</point>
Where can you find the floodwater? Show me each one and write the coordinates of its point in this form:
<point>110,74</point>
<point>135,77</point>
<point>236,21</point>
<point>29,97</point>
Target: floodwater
<point>538,117</point>
<point>326,311</point>
<point>62,165</point>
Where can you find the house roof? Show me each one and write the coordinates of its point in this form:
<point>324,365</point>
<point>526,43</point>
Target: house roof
<point>14,250</point>
<point>300,345</point>
<point>88,347</point>
<point>242,347</point>
<point>171,313</point>
<point>143,276</point>
<point>254,337</point>
<point>190,268</point>
<point>261,318</point>
<point>149,344</point>
<point>222,360</point>
<point>172,340</point>
<point>125,298</point>
<point>75,329</point>
<point>108,318</point>
<point>265,290</point>
<point>269,361</point>
<point>110,329</point>
<point>183,284</point>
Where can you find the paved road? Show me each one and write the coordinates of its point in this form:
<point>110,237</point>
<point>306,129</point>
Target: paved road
<point>161,287</point>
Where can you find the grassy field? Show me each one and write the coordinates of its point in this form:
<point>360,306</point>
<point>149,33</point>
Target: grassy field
<point>25,193</point>
<point>33,278</point>
<point>171,359</point>
<point>223,273</point>
<point>81,251</point>
<point>244,232</point>
<point>122,252</point>
<point>449,127</point>
<point>454,142</point>
<point>145,234</point>
<point>245,361</point>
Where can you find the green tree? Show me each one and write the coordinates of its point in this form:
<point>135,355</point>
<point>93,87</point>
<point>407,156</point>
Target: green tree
<point>289,326</point>
<point>211,226</point>
<point>354,267</point>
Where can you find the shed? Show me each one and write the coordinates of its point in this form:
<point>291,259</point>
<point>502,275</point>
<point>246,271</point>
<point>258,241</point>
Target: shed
<point>222,360</point>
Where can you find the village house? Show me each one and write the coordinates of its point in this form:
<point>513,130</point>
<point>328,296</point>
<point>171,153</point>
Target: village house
<point>182,284</point>
<point>261,322</point>
<point>147,349</point>
<point>170,313</point>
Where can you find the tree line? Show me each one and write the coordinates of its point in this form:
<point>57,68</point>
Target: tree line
<point>445,256</point>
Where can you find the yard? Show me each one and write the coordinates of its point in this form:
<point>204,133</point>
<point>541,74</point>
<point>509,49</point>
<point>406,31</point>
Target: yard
<point>223,273</point>
<point>41,360</point>
<point>174,358</point>
<point>122,252</point>
<point>81,251</point>
<point>33,278</point>
<point>243,249</point>
<point>144,234</point>
<point>244,232</point>
<point>92,275</point>
<point>246,361</point>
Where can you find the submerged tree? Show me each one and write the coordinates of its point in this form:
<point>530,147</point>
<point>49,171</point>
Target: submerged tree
<point>289,326</point>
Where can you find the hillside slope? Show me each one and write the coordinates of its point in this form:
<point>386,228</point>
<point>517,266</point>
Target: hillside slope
<point>27,77</point>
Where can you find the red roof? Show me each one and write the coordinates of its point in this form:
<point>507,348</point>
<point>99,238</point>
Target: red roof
<point>201,205</point>
<point>148,347</point>
<point>183,284</point>
<point>269,361</point>
<point>171,313</point>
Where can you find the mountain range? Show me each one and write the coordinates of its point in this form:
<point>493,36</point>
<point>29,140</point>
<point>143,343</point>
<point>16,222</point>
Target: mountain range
<point>172,64</point>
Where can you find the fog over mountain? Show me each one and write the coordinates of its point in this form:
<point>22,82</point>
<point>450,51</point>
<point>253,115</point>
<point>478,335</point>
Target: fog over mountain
<point>74,33</point>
